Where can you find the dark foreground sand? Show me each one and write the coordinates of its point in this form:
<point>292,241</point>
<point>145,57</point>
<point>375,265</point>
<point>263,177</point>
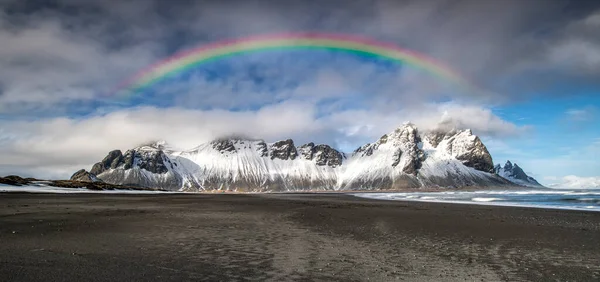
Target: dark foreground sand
<point>45,237</point>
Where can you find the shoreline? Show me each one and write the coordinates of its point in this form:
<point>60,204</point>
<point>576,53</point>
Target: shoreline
<point>353,193</point>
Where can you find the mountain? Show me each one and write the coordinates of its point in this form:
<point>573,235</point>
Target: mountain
<point>404,158</point>
<point>515,174</point>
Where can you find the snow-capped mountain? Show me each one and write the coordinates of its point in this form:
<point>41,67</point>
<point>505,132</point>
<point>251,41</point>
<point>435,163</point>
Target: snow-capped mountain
<point>515,174</point>
<point>404,158</point>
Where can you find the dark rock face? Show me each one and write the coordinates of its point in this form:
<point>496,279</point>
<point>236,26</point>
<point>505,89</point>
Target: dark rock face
<point>263,149</point>
<point>409,139</point>
<point>129,159</point>
<point>223,145</point>
<point>112,160</point>
<point>152,161</point>
<point>284,150</point>
<point>365,150</point>
<point>465,147</point>
<point>322,154</point>
<point>477,157</point>
<point>516,171</point>
<point>435,137</point>
<point>84,176</point>
<point>307,151</point>
<point>397,156</point>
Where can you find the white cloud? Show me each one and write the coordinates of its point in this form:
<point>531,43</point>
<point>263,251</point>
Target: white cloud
<point>52,146</point>
<point>581,114</point>
<point>573,182</point>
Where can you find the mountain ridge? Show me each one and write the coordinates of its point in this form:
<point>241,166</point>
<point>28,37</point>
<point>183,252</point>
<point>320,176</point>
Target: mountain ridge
<point>403,158</point>
<point>515,174</point>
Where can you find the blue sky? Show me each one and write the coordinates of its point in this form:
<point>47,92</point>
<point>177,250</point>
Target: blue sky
<point>562,129</point>
<point>537,64</point>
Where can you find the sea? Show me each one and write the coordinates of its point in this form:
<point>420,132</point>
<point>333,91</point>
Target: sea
<point>572,199</point>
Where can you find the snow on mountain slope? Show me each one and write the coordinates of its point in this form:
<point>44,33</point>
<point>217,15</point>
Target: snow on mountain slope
<point>255,165</point>
<point>401,159</point>
<point>456,159</point>
<point>146,166</point>
<point>515,174</point>
<point>391,162</point>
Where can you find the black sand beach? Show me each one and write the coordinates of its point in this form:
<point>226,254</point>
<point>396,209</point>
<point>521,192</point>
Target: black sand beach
<point>285,237</point>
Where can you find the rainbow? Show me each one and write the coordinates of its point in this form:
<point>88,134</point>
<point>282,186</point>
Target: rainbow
<point>189,59</point>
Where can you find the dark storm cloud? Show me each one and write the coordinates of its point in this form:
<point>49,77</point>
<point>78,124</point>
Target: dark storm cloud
<point>82,47</point>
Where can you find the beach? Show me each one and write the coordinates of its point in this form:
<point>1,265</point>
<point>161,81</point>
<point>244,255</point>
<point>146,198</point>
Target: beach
<point>288,237</point>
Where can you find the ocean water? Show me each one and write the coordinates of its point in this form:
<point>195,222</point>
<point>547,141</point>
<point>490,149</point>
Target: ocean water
<point>574,199</point>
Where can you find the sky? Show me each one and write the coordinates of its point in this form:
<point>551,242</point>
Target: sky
<point>536,65</point>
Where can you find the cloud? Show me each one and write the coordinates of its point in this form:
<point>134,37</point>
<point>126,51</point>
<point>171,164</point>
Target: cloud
<point>578,49</point>
<point>43,63</point>
<point>57,62</point>
<point>573,182</point>
<point>57,54</point>
<point>581,114</point>
<point>53,146</point>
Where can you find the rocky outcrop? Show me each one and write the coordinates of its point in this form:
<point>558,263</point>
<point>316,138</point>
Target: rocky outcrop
<point>321,154</point>
<point>83,175</point>
<point>16,180</point>
<point>223,145</point>
<point>407,140</point>
<point>284,150</point>
<point>262,148</point>
<point>112,160</point>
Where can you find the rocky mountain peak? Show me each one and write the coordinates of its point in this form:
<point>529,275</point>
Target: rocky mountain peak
<point>404,145</point>
<point>514,173</point>
<point>464,146</point>
<point>508,166</point>
<point>224,145</point>
<point>469,149</point>
<point>322,154</point>
<point>408,141</point>
<point>284,150</point>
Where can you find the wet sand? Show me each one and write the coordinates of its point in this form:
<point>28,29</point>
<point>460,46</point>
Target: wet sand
<point>288,237</point>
